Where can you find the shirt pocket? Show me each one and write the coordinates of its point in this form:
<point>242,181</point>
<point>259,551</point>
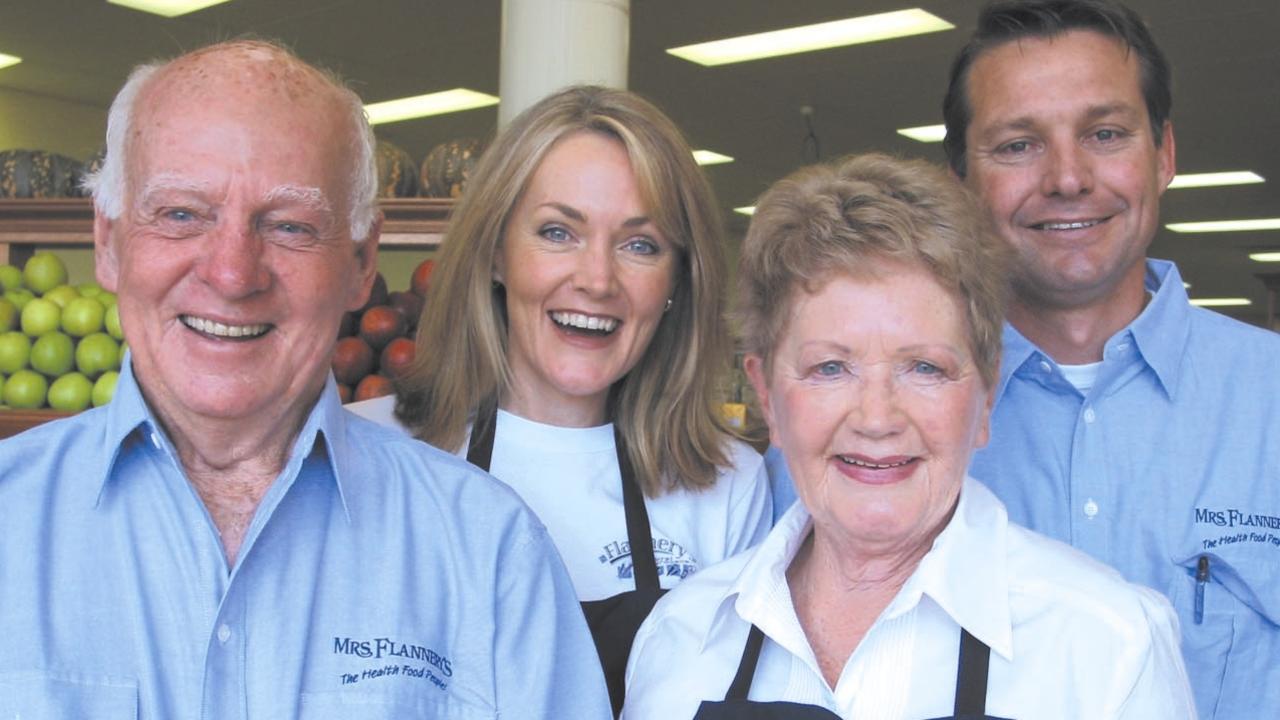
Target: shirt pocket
<point>32,695</point>
<point>343,705</point>
<point>1215,616</point>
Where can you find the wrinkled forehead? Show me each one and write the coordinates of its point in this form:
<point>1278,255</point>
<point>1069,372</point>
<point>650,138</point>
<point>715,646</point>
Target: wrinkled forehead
<point>250,72</point>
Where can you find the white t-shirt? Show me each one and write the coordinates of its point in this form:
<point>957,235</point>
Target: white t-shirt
<point>1069,638</point>
<point>570,478</point>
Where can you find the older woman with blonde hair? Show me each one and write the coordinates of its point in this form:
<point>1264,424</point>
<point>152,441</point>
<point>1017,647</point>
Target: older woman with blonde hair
<point>571,343</point>
<point>871,295</point>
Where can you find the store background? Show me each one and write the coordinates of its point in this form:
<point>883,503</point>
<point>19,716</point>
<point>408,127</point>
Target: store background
<point>1226,62</point>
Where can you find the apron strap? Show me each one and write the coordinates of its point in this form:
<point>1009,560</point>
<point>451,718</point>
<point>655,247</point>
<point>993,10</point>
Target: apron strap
<point>741,685</point>
<point>480,447</point>
<point>971,678</point>
<point>643,565</point>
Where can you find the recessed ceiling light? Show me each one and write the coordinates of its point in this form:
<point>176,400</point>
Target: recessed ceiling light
<point>1221,302</point>
<point>1265,256</point>
<point>806,38</point>
<point>437,103</point>
<point>748,210</point>
<point>1226,226</point>
<point>706,157</point>
<point>167,8</point>
<point>925,133</point>
<point>7,60</point>
<point>1215,179</point>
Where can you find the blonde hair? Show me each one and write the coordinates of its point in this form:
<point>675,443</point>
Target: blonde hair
<point>843,216</point>
<point>664,406</point>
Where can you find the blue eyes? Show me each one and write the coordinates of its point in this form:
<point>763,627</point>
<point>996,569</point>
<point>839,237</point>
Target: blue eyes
<point>554,233</point>
<point>642,246</point>
<point>830,368</point>
<point>925,368</point>
<point>919,371</point>
<point>639,245</point>
<point>179,215</point>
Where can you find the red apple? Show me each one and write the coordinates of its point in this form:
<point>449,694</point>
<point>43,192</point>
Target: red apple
<point>344,393</point>
<point>408,303</point>
<point>352,360</point>
<point>397,358</point>
<point>373,386</point>
<point>381,324</point>
<point>378,295</point>
<point>422,277</point>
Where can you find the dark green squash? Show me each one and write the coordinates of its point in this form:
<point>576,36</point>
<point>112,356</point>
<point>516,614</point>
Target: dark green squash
<point>397,173</point>
<point>447,167</point>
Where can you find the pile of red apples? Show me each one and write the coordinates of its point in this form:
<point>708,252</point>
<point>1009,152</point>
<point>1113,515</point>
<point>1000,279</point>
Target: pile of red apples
<point>375,343</point>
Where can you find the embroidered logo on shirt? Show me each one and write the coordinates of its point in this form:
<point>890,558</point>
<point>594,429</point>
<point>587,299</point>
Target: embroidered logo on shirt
<point>670,556</point>
<point>408,660</point>
<point>1256,524</point>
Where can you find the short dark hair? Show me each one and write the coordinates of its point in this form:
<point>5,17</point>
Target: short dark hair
<point>1004,21</point>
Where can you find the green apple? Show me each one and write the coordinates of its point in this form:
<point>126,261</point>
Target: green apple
<point>124,350</point>
<point>43,272</point>
<point>8,315</point>
<point>19,297</point>
<point>25,390</point>
<point>52,354</point>
<point>40,316</point>
<point>62,295</point>
<point>70,393</point>
<point>106,297</point>
<point>15,350</point>
<point>89,289</point>
<point>96,354</point>
<point>105,388</point>
<point>112,321</point>
<point>10,278</point>
<point>83,316</point>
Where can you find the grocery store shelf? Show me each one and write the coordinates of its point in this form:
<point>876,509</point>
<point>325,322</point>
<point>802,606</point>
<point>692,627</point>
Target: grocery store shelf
<point>13,422</point>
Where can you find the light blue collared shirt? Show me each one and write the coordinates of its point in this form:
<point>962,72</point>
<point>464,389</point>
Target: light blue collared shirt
<point>1171,456</point>
<point>379,578</point>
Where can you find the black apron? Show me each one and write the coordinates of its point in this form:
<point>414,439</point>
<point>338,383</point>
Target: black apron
<point>971,689</point>
<point>614,620</point>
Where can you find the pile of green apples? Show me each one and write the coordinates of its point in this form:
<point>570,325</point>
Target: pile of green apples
<point>60,345</point>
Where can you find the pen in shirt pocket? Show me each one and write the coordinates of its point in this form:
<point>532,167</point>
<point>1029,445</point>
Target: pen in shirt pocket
<point>1202,579</point>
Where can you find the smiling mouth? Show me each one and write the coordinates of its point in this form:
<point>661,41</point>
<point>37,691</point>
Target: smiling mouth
<point>590,324</point>
<point>208,327</point>
<point>1073,225</point>
<point>872,465</point>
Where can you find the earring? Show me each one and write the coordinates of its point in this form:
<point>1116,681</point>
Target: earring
<point>668,307</point>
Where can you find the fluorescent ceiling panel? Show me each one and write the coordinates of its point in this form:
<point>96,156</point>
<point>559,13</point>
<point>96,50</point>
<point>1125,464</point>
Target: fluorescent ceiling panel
<point>167,8</point>
<point>1215,179</point>
<point>437,103</point>
<point>807,38</point>
<point>925,133</point>
<point>1265,257</point>
<point>1226,226</point>
<point>1221,302</point>
<point>7,60</point>
<point>706,157</point>
<point>748,210</point>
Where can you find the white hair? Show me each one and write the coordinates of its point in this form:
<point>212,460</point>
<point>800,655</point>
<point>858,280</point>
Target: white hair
<point>108,183</point>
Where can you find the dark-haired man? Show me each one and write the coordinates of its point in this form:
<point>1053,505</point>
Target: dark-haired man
<point>1128,423</point>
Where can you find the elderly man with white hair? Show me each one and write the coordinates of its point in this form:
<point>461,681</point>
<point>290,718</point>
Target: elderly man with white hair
<point>223,540</point>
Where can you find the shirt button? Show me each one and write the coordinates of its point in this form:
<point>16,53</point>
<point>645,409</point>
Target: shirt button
<point>1045,366</point>
<point>224,633</point>
<point>1122,347</point>
<point>1090,415</point>
<point>1090,508</point>
<point>155,440</point>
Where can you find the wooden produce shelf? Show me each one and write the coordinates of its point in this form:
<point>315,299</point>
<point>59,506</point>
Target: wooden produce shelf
<point>13,422</point>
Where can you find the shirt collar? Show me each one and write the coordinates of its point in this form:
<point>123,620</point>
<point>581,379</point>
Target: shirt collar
<point>127,415</point>
<point>1160,332</point>
<point>964,573</point>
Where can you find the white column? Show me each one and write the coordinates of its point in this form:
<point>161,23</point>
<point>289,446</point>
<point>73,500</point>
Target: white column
<point>548,44</point>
